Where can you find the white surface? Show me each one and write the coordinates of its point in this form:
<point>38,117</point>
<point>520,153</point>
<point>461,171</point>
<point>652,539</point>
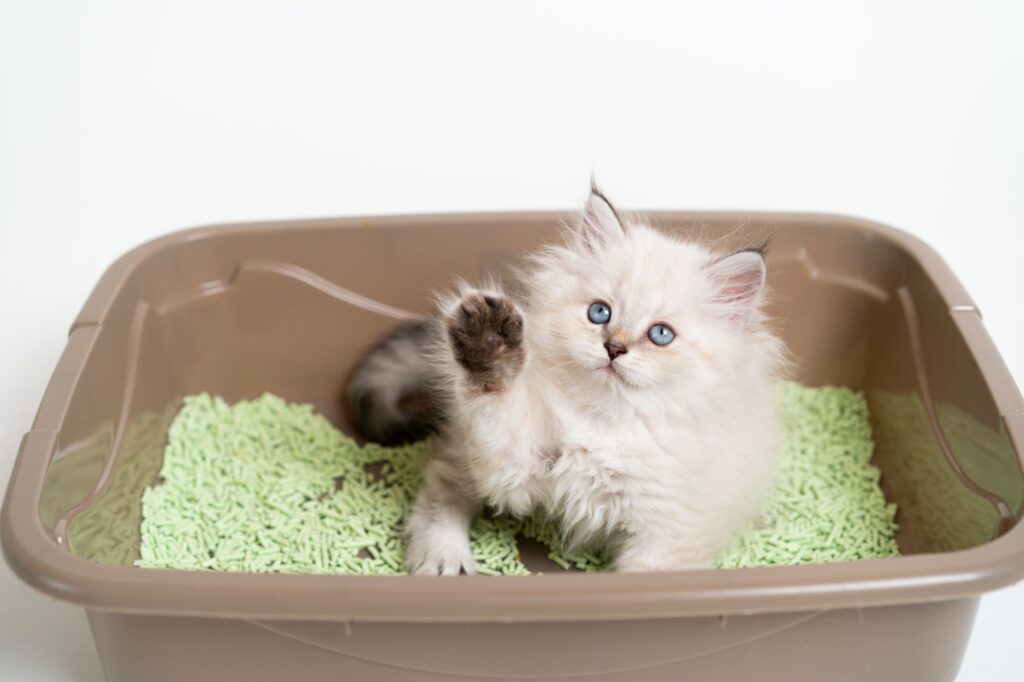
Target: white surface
<point>120,121</point>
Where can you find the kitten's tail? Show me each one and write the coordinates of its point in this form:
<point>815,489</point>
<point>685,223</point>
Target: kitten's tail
<point>393,392</point>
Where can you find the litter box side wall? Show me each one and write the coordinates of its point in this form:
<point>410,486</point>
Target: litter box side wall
<point>923,642</point>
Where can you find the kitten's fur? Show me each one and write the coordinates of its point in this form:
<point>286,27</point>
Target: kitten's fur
<point>663,452</point>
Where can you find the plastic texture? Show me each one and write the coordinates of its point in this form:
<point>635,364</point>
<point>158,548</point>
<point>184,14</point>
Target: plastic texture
<point>289,307</point>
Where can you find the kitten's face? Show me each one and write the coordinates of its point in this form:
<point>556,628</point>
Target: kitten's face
<point>639,314</point>
<point>633,322</point>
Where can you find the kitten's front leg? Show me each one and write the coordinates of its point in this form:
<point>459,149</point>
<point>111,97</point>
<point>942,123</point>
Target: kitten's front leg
<point>438,527</point>
<point>475,458</point>
<point>501,418</point>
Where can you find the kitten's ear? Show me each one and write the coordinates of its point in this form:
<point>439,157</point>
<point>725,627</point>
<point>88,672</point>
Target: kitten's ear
<point>737,281</point>
<point>599,223</point>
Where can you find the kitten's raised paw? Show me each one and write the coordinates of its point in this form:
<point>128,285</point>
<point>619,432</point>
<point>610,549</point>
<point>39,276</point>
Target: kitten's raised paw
<point>486,334</point>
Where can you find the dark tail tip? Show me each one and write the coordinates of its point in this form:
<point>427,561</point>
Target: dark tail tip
<point>419,418</point>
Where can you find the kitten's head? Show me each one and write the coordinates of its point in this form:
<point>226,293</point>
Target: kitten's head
<point>627,310</point>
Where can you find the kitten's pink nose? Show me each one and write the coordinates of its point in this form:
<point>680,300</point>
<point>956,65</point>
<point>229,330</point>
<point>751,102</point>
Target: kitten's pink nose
<point>615,349</point>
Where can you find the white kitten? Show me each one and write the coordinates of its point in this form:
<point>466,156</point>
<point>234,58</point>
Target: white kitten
<point>629,395</point>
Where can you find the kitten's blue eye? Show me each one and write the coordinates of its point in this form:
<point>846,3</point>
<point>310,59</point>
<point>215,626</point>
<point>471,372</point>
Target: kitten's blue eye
<point>599,312</point>
<point>660,335</point>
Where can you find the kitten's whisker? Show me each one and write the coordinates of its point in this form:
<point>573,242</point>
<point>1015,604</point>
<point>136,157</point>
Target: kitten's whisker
<point>556,366</point>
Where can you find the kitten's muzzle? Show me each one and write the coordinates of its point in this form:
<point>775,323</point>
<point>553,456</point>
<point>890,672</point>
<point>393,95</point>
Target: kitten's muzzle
<point>615,349</point>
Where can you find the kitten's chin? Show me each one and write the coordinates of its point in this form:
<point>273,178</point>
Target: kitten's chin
<point>614,375</point>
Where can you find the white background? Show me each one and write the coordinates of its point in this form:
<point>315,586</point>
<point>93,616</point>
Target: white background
<point>123,120</point>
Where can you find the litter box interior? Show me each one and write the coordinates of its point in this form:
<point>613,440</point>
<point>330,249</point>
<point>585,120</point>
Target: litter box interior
<point>289,309</point>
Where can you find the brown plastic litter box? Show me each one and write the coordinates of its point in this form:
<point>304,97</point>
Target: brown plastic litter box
<point>288,307</point>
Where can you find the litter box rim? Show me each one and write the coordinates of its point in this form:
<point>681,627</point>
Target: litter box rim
<point>34,556</point>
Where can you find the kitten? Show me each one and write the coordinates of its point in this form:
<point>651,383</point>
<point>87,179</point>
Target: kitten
<point>627,394</point>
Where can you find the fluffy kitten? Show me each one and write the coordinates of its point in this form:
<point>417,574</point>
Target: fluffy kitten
<point>628,394</point>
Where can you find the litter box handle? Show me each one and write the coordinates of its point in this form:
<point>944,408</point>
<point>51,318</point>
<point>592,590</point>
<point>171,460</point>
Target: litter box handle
<point>1005,392</point>
<point>29,548</point>
<point>25,541</point>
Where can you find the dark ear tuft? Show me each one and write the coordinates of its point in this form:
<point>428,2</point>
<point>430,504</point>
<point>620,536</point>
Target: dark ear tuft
<point>596,192</point>
<point>761,250</point>
<point>599,224</point>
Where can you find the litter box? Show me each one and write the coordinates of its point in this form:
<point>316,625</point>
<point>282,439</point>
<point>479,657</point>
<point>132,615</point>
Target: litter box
<point>288,307</point>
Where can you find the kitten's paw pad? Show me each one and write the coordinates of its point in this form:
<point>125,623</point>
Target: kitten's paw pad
<point>441,560</point>
<point>486,334</point>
